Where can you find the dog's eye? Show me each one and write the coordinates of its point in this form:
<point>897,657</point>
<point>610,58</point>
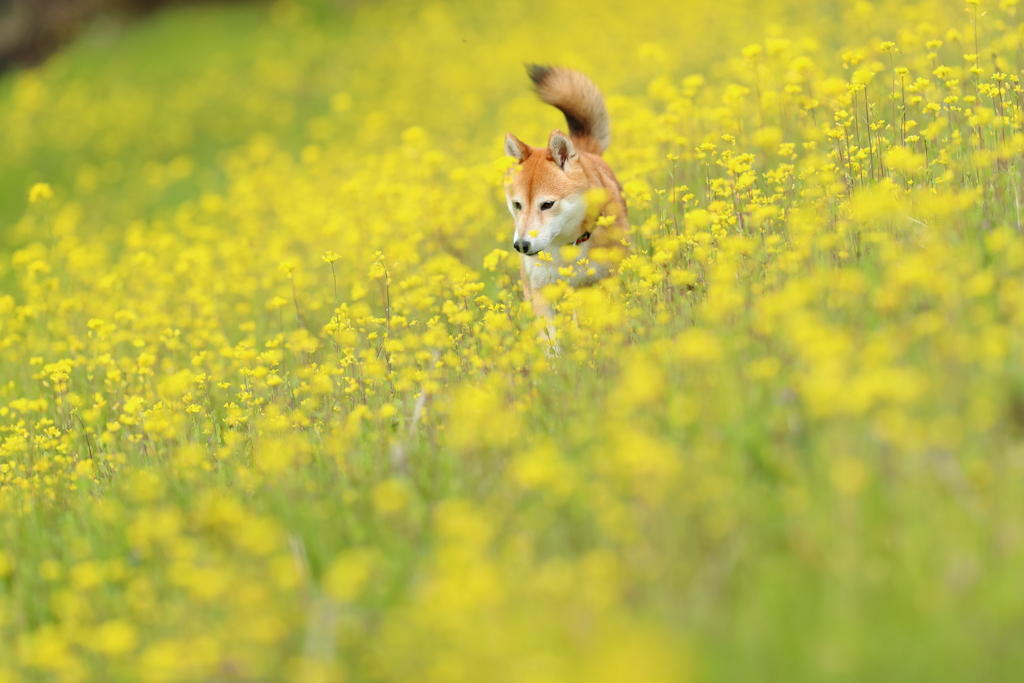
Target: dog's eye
<point>546,205</point>
<point>516,205</point>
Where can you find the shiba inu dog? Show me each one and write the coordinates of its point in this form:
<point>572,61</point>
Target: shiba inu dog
<point>565,194</point>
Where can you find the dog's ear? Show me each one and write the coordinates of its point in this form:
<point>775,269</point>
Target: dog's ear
<point>516,148</point>
<point>562,149</point>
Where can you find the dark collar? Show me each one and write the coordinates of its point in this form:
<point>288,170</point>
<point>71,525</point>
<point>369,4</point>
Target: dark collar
<point>583,238</point>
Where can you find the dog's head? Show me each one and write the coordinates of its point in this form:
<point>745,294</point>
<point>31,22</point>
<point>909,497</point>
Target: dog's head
<point>546,193</point>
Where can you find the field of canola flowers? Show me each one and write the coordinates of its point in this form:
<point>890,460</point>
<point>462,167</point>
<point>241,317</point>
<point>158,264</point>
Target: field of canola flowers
<point>272,407</point>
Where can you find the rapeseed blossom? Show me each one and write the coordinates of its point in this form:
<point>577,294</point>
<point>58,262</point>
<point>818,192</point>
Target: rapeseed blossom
<point>278,411</point>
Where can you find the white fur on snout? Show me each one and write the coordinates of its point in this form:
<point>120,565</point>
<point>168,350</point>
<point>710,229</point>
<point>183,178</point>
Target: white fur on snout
<point>556,227</point>
<point>517,220</point>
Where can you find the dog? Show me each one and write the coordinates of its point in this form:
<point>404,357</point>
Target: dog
<point>565,194</point>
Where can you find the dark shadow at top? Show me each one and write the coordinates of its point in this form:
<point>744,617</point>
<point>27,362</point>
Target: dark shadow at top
<point>31,30</point>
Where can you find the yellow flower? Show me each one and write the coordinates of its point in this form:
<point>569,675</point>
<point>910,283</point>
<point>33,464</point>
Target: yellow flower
<point>7,563</point>
<point>349,573</point>
<point>39,192</point>
<point>114,638</point>
<point>390,496</point>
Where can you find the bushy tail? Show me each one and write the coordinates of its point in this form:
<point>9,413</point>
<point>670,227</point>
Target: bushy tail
<point>579,99</point>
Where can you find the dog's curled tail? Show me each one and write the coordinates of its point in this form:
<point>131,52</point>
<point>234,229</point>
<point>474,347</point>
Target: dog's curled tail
<point>579,99</point>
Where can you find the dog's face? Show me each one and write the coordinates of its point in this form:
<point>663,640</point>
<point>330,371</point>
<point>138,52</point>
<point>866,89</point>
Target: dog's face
<point>546,194</point>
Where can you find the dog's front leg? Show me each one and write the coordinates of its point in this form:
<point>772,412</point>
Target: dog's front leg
<point>543,310</point>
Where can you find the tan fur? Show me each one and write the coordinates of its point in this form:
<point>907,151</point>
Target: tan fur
<point>578,98</point>
<point>565,174</point>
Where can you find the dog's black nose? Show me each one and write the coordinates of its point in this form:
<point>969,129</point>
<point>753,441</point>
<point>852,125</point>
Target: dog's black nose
<point>522,246</point>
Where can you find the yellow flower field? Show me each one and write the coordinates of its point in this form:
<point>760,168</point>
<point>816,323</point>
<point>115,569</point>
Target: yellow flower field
<point>272,407</point>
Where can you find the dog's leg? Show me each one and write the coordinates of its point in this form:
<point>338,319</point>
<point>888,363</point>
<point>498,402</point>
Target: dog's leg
<point>543,310</point>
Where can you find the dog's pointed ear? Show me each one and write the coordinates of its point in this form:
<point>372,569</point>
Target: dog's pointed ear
<point>516,148</point>
<point>562,149</point>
